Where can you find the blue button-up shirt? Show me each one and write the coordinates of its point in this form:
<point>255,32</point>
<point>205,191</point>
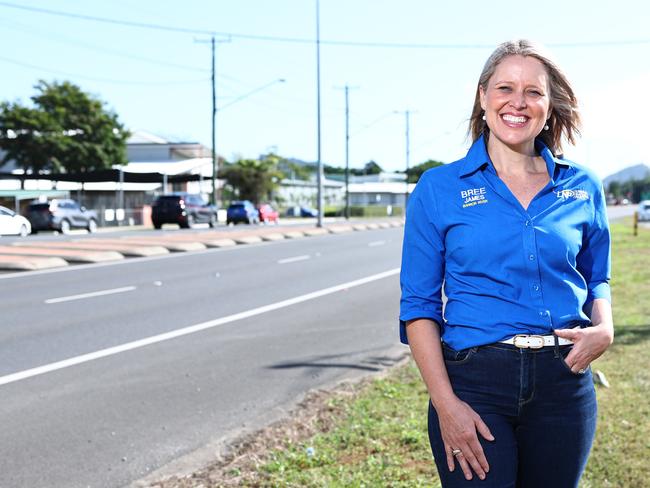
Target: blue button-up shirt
<point>506,270</point>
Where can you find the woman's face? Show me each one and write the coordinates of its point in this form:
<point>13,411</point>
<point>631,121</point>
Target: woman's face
<point>516,101</point>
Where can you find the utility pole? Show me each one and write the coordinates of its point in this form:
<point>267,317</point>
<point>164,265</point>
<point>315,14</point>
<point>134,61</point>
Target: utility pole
<point>407,115</point>
<point>319,163</point>
<point>215,163</point>
<point>408,157</point>
<point>347,149</point>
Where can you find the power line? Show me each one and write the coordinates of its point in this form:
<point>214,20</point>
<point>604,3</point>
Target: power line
<point>105,20</point>
<point>93,47</point>
<point>103,80</point>
<point>296,40</point>
<point>374,122</point>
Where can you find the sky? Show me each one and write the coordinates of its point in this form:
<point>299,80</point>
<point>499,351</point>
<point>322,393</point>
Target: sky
<point>423,56</point>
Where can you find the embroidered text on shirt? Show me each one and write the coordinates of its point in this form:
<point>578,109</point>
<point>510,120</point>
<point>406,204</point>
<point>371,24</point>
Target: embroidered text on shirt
<point>473,196</point>
<point>576,194</point>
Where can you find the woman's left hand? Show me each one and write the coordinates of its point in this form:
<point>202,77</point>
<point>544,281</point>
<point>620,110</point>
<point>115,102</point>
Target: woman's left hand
<point>588,344</point>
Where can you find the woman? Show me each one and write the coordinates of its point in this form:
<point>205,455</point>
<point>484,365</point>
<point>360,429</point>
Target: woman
<point>520,239</point>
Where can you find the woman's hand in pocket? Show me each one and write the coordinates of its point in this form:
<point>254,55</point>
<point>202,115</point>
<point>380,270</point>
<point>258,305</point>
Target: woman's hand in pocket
<point>588,345</point>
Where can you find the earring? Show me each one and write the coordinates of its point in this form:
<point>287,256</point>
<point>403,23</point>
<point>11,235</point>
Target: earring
<point>484,117</point>
<point>546,127</point>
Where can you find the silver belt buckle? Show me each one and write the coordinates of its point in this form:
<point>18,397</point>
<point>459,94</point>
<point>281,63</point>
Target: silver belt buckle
<point>528,341</point>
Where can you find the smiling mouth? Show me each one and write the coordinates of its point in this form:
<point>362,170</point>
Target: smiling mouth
<point>514,119</point>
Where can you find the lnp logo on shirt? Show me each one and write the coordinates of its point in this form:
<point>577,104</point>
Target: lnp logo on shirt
<point>575,194</point>
<point>473,196</point>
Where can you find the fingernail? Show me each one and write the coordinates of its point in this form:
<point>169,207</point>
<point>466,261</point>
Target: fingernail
<point>482,476</point>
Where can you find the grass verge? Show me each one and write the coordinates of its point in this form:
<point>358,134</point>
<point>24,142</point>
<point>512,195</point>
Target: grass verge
<point>375,435</point>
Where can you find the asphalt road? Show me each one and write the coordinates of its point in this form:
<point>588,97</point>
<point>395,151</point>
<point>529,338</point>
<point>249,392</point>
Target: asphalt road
<point>108,372</point>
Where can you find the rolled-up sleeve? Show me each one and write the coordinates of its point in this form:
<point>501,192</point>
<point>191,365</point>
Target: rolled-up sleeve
<point>423,268</point>
<point>594,259</point>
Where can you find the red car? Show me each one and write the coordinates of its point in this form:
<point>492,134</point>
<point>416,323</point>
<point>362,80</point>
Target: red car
<point>268,214</point>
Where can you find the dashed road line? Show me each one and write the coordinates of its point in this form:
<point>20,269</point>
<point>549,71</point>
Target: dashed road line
<point>90,295</point>
<point>294,259</point>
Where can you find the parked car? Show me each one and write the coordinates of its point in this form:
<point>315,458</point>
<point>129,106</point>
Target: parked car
<point>644,211</point>
<point>302,212</point>
<point>268,214</point>
<point>243,211</point>
<point>13,224</point>
<point>61,215</point>
<point>184,209</point>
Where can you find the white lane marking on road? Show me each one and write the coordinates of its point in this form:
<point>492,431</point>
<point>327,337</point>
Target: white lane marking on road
<point>90,295</point>
<point>294,259</point>
<point>376,243</point>
<point>147,341</point>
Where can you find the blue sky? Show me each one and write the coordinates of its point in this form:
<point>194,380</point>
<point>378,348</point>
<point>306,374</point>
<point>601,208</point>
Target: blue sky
<point>158,81</point>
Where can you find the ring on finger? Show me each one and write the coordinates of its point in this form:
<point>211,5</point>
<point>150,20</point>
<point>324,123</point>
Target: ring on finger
<point>457,452</point>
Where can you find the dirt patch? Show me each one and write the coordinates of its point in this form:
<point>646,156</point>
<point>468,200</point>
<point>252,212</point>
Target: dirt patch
<point>317,413</point>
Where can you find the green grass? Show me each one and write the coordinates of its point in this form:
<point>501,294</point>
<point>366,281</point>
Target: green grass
<point>379,436</point>
<point>620,454</point>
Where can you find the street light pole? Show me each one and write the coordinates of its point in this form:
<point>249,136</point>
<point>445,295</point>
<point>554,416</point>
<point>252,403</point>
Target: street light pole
<point>319,163</point>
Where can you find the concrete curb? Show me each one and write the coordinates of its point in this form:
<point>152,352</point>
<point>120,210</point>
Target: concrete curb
<point>28,256</point>
<point>248,239</point>
<point>70,255</point>
<point>294,234</point>
<point>97,245</point>
<point>316,232</point>
<point>29,263</point>
<point>274,236</point>
<point>340,229</point>
<point>221,243</point>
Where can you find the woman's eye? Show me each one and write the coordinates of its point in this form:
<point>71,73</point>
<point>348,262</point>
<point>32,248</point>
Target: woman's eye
<point>503,88</point>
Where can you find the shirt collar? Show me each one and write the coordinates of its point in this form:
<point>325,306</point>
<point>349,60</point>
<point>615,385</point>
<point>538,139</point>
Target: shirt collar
<point>478,158</point>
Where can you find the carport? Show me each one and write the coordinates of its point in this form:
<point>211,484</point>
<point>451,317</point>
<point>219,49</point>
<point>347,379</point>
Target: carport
<point>20,195</point>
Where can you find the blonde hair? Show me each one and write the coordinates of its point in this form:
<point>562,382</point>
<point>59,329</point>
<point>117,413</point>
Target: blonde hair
<point>564,116</point>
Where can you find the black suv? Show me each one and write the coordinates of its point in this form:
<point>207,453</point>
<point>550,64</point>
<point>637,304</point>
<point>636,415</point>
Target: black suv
<point>184,209</point>
<point>61,215</point>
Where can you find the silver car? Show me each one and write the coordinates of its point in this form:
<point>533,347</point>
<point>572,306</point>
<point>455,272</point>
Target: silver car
<point>644,211</point>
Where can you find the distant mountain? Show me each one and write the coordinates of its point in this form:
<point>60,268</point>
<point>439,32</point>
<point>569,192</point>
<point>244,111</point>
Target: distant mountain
<point>637,172</point>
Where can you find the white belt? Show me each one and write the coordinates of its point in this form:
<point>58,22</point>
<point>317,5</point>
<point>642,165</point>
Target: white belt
<point>523,341</point>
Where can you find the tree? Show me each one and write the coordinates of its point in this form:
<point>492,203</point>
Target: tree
<point>372,168</point>
<point>413,174</point>
<point>615,188</point>
<point>253,179</point>
<point>65,130</point>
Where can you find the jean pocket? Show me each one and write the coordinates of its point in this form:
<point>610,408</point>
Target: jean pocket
<point>564,352</point>
<point>453,357</point>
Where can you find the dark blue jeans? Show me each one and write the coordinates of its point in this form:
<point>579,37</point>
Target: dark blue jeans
<point>542,416</point>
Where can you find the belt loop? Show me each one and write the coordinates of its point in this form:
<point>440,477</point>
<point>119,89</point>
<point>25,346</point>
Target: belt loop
<point>556,348</point>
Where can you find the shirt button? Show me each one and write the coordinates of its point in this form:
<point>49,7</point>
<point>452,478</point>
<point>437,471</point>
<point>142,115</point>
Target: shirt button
<point>531,257</point>
<point>536,287</point>
<point>528,223</point>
